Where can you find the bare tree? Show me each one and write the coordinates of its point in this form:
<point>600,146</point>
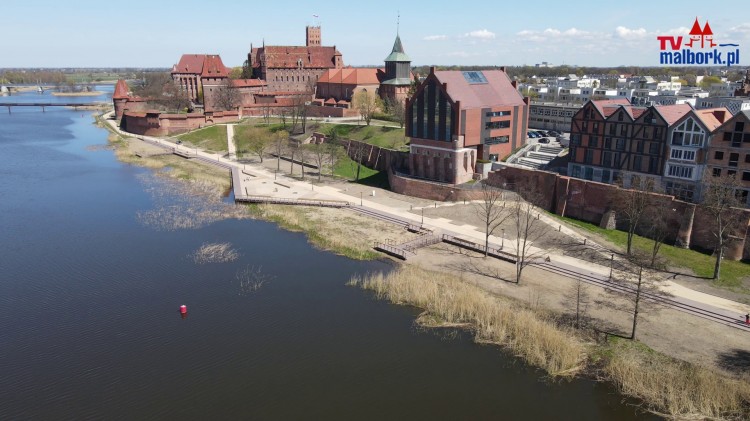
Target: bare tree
<point>318,153</point>
<point>280,141</point>
<point>256,139</point>
<point>658,218</point>
<point>398,112</point>
<point>335,153</point>
<point>635,292</point>
<point>579,298</point>
<point>525,217</point>
<point>357,151</point>
<point>721,203</point>
<point>293,147</point>
<point>266,108</point>
<point>366,103</point>
<point>491,210</point>
<point>159,89</point>
<point>631,203</point>
<point>227,97</point>
<point>304,154</point>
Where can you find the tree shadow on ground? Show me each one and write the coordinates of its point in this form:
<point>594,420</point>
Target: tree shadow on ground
<point>379,180</point>
<point>735,360</point>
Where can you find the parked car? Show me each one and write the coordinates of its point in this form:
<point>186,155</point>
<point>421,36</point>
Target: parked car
<point>532,134</point>
<point>543,133</point>
<point>553,133</point>
<point>543,140</point>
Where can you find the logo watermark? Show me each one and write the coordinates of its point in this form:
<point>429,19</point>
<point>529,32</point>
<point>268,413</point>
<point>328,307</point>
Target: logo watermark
<point>698,48</point>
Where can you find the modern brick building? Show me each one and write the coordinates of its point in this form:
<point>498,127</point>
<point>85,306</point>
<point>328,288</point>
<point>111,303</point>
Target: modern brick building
<point>294,68</point>
<point>690,137</point>
<point>729,152</point>
<point>611,140</point>
<point>455,118</point>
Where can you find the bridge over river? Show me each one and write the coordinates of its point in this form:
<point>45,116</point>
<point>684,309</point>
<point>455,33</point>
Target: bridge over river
<point>43,105</point>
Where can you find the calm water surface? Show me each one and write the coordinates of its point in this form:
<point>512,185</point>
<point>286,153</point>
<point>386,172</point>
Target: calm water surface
<point>90,329</point>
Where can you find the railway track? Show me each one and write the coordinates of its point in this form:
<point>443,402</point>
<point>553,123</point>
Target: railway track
<point>604,282</point>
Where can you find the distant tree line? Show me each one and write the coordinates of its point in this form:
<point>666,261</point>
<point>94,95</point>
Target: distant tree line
<point>32,76</point>
<point>523,72</point>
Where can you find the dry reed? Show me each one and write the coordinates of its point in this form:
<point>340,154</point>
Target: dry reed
<point>329,229</point>
<point>494,320</point>
<point>181,204</point>
<point>215,253</point>
<point>675,388</point>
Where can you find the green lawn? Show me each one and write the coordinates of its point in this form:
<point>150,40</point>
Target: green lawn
<point>385,137</point>
<point>348,169</point>
<point>211,138</point>
<point>732,272</point>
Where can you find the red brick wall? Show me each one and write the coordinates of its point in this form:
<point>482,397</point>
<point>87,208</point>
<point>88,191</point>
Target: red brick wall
<point>324,111</point>
<point>375,157</point>
<point>155,124</point>
<point>430,190</point>
<point>589,200</point>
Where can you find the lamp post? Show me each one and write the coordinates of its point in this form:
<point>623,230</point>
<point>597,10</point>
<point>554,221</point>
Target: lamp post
<point>611,265</point>
<point>360,198</point>
<point>502,241</point>
<point>422,216</point>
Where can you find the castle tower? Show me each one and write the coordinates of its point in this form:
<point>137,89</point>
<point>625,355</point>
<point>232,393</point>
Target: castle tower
<point>120,98</point>
<point>313,38</point>
<point>397,73</point>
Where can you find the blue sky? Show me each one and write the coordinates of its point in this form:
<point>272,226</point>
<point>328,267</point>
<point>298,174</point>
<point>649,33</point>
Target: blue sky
<point>136,33</point>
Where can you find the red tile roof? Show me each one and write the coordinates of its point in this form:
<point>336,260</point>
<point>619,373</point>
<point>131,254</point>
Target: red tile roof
<point>672,113</point>
<point>190,63</point>
<point>121,90</point>
<point>600,104</point>
<point>248,83</point>
<point>288,57</point>
<point>213,67</point>
<point>497,91</point>
<point>637,112</point>
<point>360,76</point>
<point>713,118</point>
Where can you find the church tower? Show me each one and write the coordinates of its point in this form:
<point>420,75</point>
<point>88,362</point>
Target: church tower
<point>397,73</point>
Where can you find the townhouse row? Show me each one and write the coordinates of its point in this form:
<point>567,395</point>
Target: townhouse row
<point>675,145</point>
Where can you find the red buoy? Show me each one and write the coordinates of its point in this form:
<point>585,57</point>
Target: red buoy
<point>183,309</point>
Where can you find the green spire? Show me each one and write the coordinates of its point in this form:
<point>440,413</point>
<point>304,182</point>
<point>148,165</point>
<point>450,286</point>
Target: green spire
<point>398,54</point>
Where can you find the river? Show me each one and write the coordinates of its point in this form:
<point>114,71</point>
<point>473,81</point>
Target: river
<point>90,328</point>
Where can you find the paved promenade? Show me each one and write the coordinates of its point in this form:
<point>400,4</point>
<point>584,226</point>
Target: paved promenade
<point>250,180</point>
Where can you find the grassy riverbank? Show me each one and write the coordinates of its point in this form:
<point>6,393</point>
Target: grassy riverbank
<point>732,272</point>
<point>666,386</point>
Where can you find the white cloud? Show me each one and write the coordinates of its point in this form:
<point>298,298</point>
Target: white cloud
<point>554,34</point>
<point>627,33</point>
<point>481,34</point>
<point>740,30</point>
<point>435,37</point>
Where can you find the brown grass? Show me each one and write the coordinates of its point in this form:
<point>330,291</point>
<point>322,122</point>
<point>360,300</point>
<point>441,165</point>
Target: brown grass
<point>675,388</point>
<point>337,230</point>
<point>494,320</point>
<point>215,253</point>
<point>666,386</point>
